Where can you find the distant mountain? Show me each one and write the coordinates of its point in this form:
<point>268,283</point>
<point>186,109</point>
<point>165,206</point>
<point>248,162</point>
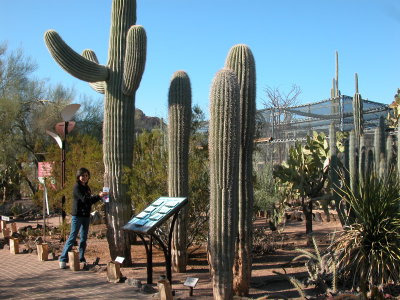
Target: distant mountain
<point>145,123</point>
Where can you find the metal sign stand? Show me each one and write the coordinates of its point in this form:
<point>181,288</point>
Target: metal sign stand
<point>143,226</point>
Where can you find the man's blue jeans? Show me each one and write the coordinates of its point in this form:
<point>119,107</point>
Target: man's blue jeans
<point>77,223</point>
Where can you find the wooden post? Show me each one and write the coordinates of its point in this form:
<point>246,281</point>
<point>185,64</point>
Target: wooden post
<point>3,224</point>
<point>164,288</point>
<point>13,227</point>
<point>43,251</point>
<point>113,272</point>
<point>73,258</point>
<point>4,233</point>
<point>14,246</point>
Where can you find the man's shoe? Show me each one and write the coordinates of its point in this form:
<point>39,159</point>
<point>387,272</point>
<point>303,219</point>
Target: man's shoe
<point>63,265</point>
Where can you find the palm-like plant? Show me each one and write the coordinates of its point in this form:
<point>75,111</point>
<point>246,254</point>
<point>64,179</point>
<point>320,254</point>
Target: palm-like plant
<point>368,251</point>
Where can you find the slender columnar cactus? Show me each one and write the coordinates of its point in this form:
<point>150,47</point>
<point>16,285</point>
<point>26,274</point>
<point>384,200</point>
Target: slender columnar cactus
<point>379,145</point>
<point>353,162</point>
<point>333,173</point>
<point>179,111</point>
<point>240,59</point>
<point>358,114</point>
<point>118,80</point>
<point>398,154</point>
<point>362,159</point>
<point>224,161</point>
<point>389,153</point>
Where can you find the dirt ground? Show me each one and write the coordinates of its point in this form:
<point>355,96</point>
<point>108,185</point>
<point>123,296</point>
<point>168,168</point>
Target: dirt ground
<point>265,283</point>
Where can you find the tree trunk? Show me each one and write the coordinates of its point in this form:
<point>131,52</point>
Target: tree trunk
<point>307,210</point>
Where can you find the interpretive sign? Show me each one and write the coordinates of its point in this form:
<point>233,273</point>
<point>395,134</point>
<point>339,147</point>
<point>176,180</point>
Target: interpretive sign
<point>155,214</point>
<point>191,282</point>
<point>44,169</point>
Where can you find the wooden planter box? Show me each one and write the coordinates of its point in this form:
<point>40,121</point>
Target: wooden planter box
<point>13,227</point>
<point>73,258</point>
<point>14,246</point>
<point>113,272</point>
<point>43,251</point>
<point>4,233</point>
<point>3,224</point>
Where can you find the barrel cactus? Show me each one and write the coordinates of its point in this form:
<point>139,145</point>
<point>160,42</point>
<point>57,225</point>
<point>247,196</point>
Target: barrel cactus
<point>224,161</point>
<point>240,59</point>
<point>118,80</point>
<point>179,111</point>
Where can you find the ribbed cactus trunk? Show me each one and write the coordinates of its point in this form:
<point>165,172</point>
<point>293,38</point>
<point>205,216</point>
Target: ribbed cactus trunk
<point>379,147</point>
<point>362,160</point>
<point>358,114</point>
<point>353,162</point>
<point>224,161</point>
<point>333,173</point>
<point>179,112</point>
<point>240,59</point>
<point>118,80</point>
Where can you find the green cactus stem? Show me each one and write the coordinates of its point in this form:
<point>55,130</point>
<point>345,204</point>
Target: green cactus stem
<point>362,160</point>
<point>333,173</point>
<point>379,145</point>
<point>179,111</point>
<point>398,147</point>
<point>353,162</point>
<point>389,154</point>
<point>240,59</point>
<point>358,114</point>
<point>224,161</point>
<point>118,80</point>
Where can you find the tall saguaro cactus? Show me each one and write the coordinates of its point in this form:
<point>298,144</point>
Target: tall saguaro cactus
<point>240,59</point>
<point>224,159</point>
<point>118,80</point>
<point>179,111</point>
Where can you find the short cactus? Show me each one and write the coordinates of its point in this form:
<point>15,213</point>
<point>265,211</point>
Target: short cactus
<point>179,111</point>
<point>224,161</point>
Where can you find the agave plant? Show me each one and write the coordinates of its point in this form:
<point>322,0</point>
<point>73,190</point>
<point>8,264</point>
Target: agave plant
<point>368,251</point>
<point>321,268</point>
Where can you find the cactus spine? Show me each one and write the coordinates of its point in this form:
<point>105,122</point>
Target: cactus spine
<point>179,112</point>
<point>224,160</point>
<point>118,80</point>
<point>240,59</point>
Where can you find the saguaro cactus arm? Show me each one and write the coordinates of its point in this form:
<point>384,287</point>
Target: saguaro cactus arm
<point>135,58</point>
<point>100,86</point>
<point>72,62</point>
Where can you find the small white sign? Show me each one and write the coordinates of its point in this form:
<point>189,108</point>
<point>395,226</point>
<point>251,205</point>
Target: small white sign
<point>191,282</point>
<point>106,199</point>
<point>120,259</point>
<point>4,218</point>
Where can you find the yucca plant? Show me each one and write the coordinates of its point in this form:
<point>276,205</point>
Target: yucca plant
<point>368,251</point>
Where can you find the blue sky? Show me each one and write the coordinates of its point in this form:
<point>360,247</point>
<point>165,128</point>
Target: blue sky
<point>293,42</point>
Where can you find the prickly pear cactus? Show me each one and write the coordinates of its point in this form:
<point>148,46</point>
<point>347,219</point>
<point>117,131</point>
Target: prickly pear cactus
<point>118,80</point>
<point>224,161</point>
<point>240,59</point>
<point>179,111</point>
